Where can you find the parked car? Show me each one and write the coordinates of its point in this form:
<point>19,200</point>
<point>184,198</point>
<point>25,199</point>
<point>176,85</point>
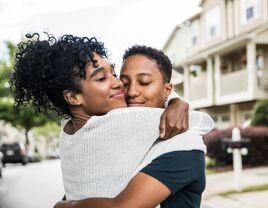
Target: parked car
<point>1,164</point>
<point>14,153</point>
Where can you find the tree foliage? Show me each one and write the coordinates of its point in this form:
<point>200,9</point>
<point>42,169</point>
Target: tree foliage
<point>26,118</point>
<point>50,131</point>
<point>260,113</point>
<point>6,64</point>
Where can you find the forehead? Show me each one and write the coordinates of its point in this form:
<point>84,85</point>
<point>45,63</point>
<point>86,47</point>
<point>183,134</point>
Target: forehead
<point>102,65</point>
<point>139,64</point>
<point>100,60</point>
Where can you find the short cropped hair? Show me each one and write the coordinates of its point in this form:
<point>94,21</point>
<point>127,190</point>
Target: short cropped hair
<point>162,60</point>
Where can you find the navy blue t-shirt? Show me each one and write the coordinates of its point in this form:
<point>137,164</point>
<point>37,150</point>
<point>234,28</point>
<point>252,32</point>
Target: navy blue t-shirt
<point>183,172</point>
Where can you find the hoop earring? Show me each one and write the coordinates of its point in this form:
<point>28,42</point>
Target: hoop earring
<point>166,102</point>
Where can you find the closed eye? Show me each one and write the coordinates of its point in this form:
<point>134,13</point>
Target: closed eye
<point>101,79</point>
<point>145,83</point>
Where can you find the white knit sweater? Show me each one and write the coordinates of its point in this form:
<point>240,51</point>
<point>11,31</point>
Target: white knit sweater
<point>101,158</point>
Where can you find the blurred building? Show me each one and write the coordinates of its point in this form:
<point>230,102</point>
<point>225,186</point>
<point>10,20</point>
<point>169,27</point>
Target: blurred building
<point>222,54</point>
<point>10,134</point>
<point>46,146</point>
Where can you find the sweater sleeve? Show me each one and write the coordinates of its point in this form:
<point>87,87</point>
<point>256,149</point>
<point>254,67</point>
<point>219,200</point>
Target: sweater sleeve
<point>200,122</point>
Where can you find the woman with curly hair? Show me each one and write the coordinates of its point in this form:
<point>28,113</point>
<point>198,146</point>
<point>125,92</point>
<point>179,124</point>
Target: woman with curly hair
<point>103,144</point>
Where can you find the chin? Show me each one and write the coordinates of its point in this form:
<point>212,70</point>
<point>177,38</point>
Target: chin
<point>120,105</point>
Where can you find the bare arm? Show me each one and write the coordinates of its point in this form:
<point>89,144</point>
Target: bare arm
<point>143,191</point>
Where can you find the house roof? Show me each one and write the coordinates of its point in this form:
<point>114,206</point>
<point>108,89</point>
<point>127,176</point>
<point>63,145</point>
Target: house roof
<point>176,28</point>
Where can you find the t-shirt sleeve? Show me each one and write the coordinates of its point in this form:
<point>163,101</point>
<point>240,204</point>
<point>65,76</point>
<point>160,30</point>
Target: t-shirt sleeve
<point>176,169</point>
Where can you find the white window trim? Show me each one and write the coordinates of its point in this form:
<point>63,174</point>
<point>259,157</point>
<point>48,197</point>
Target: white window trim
<point>212,18</point>
<point>246,4</point>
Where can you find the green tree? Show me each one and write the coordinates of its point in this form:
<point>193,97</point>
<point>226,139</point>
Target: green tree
<point>260,113</point>
<point>50,131</point>
<point>27,117</point>
<point>6,64</point>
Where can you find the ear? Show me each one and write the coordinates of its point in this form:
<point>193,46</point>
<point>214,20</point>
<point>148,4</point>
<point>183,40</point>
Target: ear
<point>72,98</point>
<point>168,87</point>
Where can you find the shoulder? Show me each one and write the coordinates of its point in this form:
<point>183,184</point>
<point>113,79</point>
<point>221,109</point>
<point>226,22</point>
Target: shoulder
<point>177,159</point>
<point>176,169</point>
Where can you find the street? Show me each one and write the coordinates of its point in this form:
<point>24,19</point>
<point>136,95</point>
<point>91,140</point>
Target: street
<point>31,186</point>
<point>39,185</point>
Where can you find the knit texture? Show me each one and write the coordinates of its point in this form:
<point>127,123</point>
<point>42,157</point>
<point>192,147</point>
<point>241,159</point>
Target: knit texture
<point>101,158</point>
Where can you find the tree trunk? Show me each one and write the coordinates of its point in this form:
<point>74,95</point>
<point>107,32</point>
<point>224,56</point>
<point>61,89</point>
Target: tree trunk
<point>27,142</point>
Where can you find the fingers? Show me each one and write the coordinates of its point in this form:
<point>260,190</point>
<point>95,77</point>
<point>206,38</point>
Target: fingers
<point>172,129</point>
<point>174,119</point>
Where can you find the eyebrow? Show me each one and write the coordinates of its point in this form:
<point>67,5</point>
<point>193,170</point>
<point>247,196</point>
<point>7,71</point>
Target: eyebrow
<point>99,69</point>
<point>139,75</point>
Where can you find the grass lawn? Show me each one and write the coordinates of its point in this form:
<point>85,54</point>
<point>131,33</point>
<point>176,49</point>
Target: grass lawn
<point>247,189</point>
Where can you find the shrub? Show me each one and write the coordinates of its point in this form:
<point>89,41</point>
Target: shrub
<point>260,113</point>
<point>257,150</point>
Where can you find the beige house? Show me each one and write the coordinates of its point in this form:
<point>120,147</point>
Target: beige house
<point>222,53</point>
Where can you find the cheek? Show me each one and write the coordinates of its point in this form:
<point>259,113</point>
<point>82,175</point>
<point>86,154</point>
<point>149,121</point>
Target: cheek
<point>155,90</point>
<point>96,96</point>
<point>156,95</point>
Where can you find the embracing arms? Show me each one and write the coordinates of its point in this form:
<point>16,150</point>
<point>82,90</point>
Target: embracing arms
<point>168,173</point>
<point>143,191</point>
<point>174,119</point>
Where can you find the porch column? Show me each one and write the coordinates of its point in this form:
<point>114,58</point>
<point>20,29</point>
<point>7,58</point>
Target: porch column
<point>251,69</point>
<point>217,77</point>
<point>186,84</point>
<point>233,114</point>
<point>210,83</point>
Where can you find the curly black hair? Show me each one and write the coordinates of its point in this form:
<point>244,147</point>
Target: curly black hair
<point>162,60</point>
<point>44,69</point>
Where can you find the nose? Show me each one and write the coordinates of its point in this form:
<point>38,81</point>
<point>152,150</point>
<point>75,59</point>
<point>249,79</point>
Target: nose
<point>117,83</point>
<point>132,90</point>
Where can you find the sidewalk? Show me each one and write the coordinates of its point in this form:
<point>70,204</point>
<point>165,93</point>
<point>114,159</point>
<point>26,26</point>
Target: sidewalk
<point>222,182</point>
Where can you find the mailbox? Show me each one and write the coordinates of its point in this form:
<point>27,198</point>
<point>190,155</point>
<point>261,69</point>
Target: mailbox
<point>229,143</point>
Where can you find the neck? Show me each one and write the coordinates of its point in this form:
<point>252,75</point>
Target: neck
<point>78,120</point>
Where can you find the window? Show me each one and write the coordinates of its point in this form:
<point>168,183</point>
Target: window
<point>225,118</point>
<point>195,32</point>
<point>213,31</point>
<point>195,70</point>
<point>247,116</point>
<point>250,13</point>
<point>259,62</point>
<point>212,18</point>
<point>250,10</point>
<point>215,118</point>
<point>194,40</point>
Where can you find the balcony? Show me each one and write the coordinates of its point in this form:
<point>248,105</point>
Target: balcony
<point>198,88</point>
<point>233,82</point>
<point>263,80</point>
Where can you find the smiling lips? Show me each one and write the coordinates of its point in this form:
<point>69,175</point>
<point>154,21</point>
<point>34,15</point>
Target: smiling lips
<point>134,104</point>
<point>118,95</point>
